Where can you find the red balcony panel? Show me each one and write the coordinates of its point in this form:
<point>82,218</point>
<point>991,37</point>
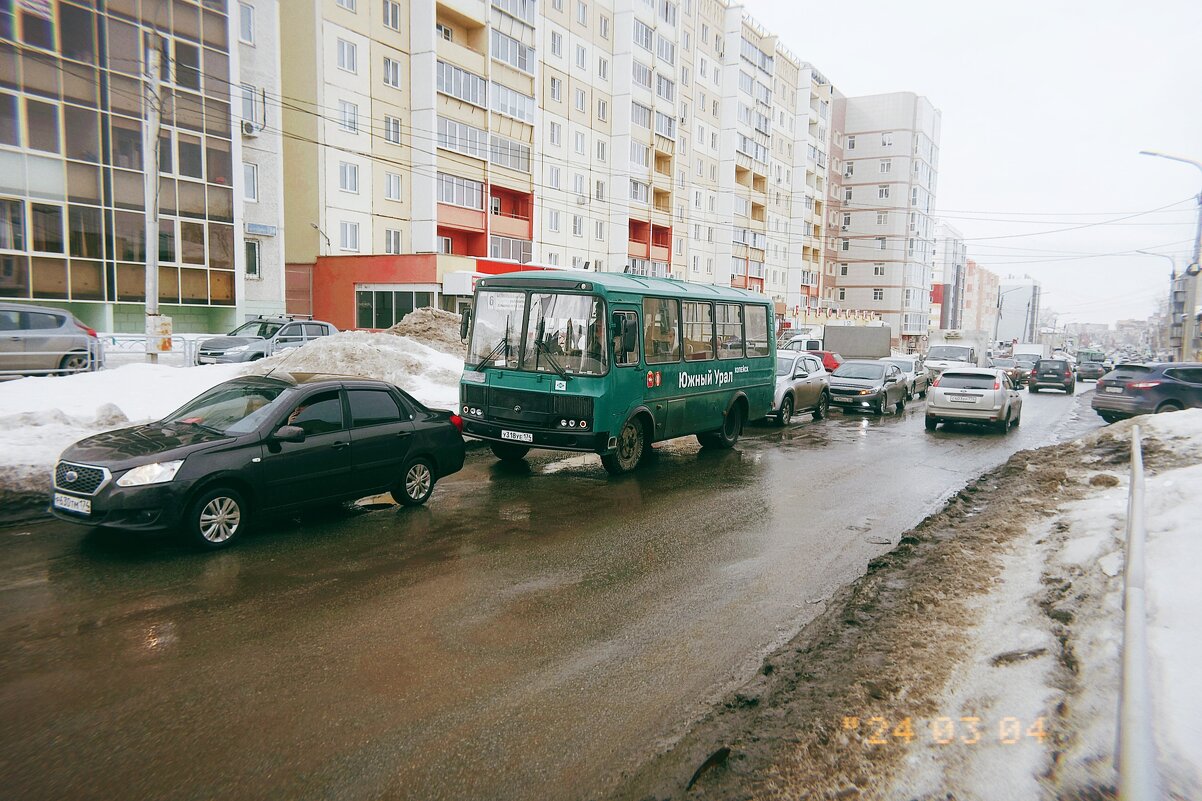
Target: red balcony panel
<point>461,218</point>
<point>639,250</point>
<point>515,227</point>
<point>640,231</point>
<point>661,253</point>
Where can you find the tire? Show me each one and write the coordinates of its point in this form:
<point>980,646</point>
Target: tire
<point>786,410</point>
<point>509,453</point>
<point>901,403</point>
<point>1033,390</point>
<point>631,446</point>
<point>416,484</point>
<point>728,434</point>
<point>217,518</point>
<point>932,424</point>
<point>824,406</point>
<point>74,362</point>
<point>1003,425</point>
<point>882,404</point>
<point>1070,390</point>
<point>1168,406</point>
<point>1015,422</point>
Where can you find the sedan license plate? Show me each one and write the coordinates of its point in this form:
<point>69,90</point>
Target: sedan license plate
<point>840,399</point>
<point>1114,389</point>
<point>72,504</point>
<point>517,436</point>
<point>205,360</point>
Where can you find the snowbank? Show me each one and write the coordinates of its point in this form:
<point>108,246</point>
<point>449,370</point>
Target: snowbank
<point>434,328</point>
<point>40,416</point>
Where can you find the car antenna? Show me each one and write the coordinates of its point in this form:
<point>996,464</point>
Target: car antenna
<point>281,364</point>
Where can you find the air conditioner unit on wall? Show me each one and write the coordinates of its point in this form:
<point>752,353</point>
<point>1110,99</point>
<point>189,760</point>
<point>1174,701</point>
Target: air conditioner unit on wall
<point>249,129</point>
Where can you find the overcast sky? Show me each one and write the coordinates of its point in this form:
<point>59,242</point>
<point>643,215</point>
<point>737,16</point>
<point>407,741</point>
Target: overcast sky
<point>1046,106</point>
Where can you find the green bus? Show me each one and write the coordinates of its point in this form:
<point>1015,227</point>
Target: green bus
<point>609,363</point>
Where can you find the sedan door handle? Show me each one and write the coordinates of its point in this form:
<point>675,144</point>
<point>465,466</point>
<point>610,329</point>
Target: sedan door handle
<point>340,445</point>
<point>403,434</point>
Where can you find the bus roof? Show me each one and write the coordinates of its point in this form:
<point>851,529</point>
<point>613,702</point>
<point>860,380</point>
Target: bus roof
<point>620,282</point>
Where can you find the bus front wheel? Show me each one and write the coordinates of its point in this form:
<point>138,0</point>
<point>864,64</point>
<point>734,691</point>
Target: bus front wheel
<point>509,453</point>
<point>631,444</point>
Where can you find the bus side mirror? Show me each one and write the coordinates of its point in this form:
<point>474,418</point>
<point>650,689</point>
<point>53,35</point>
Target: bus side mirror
<point>630,336</point>
<point>465,322</point>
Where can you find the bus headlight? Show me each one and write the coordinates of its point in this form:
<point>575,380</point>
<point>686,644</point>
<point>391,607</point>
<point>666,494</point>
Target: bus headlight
<point>563,423</point>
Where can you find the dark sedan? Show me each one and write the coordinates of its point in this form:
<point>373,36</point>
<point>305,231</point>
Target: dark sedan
<point>1131,389</point>
<point>1091,370</point>
<point>1014,370</point>
<point>258,444</point>
<point>874,386</point>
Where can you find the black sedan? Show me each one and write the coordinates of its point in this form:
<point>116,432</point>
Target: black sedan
<point>258,444</point>
<point>873,386</point>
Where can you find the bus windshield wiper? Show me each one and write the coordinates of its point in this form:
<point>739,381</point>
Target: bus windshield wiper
<point>502,345</point>
<point>556,366</point>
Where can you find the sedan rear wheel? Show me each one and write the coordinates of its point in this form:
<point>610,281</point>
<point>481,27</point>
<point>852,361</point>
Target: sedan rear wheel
<point>415,486</point>
<point>73,363</point>
<point>217,518</point>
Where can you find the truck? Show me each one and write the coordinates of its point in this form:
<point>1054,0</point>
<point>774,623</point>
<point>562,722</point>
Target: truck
<point>953,349</point>
<point>849,341</point>
<point>1035,349</point>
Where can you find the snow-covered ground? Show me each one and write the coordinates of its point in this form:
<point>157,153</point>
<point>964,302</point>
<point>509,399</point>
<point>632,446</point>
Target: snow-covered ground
<point>40,416</point>
<point>1048,640</point>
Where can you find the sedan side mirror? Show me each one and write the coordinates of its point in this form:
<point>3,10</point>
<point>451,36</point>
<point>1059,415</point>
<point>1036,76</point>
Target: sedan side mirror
<point>289,434</point>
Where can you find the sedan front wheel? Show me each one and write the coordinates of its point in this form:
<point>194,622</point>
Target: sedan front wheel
<point>217,518</point>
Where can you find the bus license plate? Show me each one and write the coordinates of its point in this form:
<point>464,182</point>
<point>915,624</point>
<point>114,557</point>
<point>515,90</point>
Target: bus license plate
<point>518,436</point>
<point>72,504</point>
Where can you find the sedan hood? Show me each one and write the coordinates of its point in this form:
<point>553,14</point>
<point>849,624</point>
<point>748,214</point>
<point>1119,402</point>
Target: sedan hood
<point>225,343</point>
<point>856,383</point>
<point>129,447</point>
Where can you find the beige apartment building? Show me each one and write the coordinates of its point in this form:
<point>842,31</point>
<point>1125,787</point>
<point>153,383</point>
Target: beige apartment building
<point>432,141</point>
<point>980,300</point>
<point>884,232</point>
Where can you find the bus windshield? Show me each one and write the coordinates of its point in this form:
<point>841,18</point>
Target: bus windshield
<point>565,334</point>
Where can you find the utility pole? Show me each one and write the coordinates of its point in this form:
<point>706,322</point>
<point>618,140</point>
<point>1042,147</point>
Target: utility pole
<point>152,105</point>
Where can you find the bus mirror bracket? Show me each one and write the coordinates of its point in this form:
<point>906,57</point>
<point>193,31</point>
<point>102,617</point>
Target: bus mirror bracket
<point>464,322</point>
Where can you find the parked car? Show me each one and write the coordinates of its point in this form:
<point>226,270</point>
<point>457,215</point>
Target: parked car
<point>261,337</point>
<point>830,359</point>
<point>1014,369</point>
<point>39,340</point>
<point>917,380</point>
<point>1131,389</point>
<point>981,395</point>
<point>258,444</point>
<point>1093,370</point>
<point>1053,373</point>
<point>874,385</point>
<point>802,385</point>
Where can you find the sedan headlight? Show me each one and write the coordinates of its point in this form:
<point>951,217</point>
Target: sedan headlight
<point>157,473</point>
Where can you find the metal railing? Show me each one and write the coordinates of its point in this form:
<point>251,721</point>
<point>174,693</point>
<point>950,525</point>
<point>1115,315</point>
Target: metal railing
<point>1136,758</point>
<point>127,348</point>
<point>50,362</point>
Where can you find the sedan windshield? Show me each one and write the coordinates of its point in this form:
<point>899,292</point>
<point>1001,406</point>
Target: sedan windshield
<point>868,371</point>
<point>566,333</point>
<point>233,408</point>
<point>256,328</point>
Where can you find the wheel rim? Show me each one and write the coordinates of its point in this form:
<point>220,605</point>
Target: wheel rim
<point>786,409</point>
<point>418,481</point>
<point>220,518</point>
<point>628,443</point>
<point>824,405</point>
<point>75,364</point>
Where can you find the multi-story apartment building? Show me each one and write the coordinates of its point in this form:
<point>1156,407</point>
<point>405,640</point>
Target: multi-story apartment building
<point>73,228</point>
<point>980,300</point>
<point>451,138</point>
<point>1018,309</point>
<point>947,281</point>
<point>885,233</point>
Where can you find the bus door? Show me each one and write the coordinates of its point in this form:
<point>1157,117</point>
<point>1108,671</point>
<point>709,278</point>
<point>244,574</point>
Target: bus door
<point>626,378</point>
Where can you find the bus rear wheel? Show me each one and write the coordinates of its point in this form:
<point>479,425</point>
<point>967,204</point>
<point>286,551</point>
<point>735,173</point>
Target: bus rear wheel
<point>631,445</point>
<point>728,434</point>
<point>509,453</point>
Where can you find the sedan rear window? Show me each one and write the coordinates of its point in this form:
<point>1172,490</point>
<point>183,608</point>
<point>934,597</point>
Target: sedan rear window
<point>966,381</point>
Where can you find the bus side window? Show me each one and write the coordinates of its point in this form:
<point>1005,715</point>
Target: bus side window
<point>730,330</point>
<point>661,340</point>
<point>757,330</point>
<point>698,331</point>
<point>625,358</point>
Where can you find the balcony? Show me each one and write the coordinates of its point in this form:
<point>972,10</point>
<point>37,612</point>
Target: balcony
<point>510,213</point>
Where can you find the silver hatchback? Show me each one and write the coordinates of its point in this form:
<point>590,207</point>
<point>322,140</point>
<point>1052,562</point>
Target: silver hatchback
<point>974,395</point>
<point>39,340</point>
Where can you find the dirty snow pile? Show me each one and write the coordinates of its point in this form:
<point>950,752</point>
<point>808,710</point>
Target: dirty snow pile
<point>427,374</point>
<point>40,416</point>
<point>435,328</point>
<point>1048,642</point>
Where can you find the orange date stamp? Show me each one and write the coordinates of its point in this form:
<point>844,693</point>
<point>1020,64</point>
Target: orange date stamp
<point>967,730</point>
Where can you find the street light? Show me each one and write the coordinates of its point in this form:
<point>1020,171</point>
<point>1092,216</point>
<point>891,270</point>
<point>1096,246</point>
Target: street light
<point>1191,271</point>
<point>1194,268</point>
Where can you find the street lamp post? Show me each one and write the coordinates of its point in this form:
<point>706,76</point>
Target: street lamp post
<point>1188,340</point>
<point>1163,336</point>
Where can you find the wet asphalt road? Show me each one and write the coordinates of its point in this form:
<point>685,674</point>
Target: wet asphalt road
<point>529,634</point>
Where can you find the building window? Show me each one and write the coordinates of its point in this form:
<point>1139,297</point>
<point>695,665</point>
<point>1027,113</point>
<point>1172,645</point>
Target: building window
<point>556,44</point>
<point>384,309</point>
<point>556,89</point>
<point>580,143</point>
<point>846,221</point>
<point>250,182</point>
<point>601,152</point>
<point>599,234</point>
<point>844,244</point>
<point>847,195</point>
<point>459,83</point>
<point>511,154</point>
<point>577,225</point>
<point>581,100</point>
<point>640,115</point>
<point>599,191</point>
<point>446,245</point>
<point>553,220</point>
<point>639,191</point>
<point>603,26</point>
<point>882,192</point>
<point>880,240</point>
<point>512,103</point>
<point>348,236</point>
<point>603,68</point>
<point>843,268</point>
<point>504,247</point>
<point>849,169</point>
<point>348,56</point>
<point>246,23</point>
<point>512,52</point>
<point>348,116</point>
<point>349,5</point>
<point>886,166</point>
<point>392,73</point>
<point>348,177</point>
<point>458,191</point>
<point>392,186</point>
<point>556,133</point>
<point>879,269</point>
<point>842,294</point>
<point>392,130</point>
<point>602,110</point>
<point>444,32</point>
<point>392,14</point>
<point>643,36</point>
<point>582,13</point>
<point>462,138</point>
<point>392,241</point>
<point>887,139</point>
<point>553,177</point>
<point>851,143</point>
<point>642,74</point>
<point>882,218</point>
<point>253,253</point>
<point>878,294</point>
<point>581,57</point>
